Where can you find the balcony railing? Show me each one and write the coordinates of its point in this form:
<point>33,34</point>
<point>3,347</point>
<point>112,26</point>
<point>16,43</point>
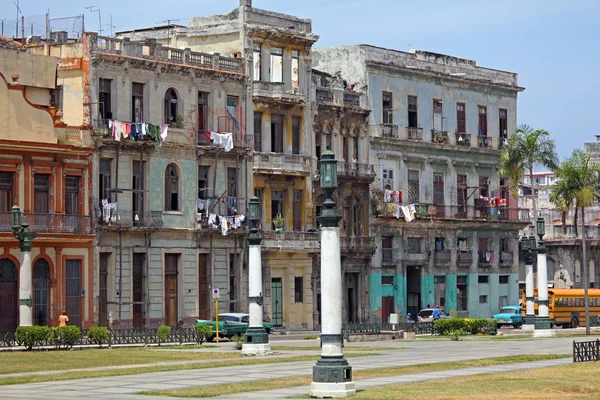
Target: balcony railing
<point>506,258</point>
<point>440,137</point>
<point>415,134</point>
<point>463,139</point>
<point>485,258</point>
<point>464,257</point>
<point>355,170</point>
<point>387,256</point>
<point>357,244</point>
<point>131,219</point>
<point>484,142</point>
<point>324,95</point>
<point>591,232</point>
<point>389,131</point>
<point>442,256</point>
<point>50,223</point>
<point>441,211</point>
<point>351,99</point>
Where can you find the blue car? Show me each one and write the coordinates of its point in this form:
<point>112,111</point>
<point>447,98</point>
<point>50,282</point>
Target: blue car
<point>509,315</point>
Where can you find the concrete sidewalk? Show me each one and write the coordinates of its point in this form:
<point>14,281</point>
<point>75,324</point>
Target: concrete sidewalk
<point>362,384</point>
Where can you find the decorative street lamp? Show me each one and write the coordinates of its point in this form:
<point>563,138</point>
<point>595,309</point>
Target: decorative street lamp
<point>527,249</point>
<point>332,375</point>
<point>543,323</point>
<point>256,339</point>
<point>25,237</point>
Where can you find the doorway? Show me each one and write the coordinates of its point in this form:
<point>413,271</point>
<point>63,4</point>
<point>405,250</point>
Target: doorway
<point>277,306</point>
<point>171,261</point>
<point>413,290</point>
<point>139,281</point>
<point>8,295</point>
<point>73,281</point>
<point>387,308</point>
<point>203,287</point>
<point>351,298</point>
<point>103,289</point>
<point>41,278</point>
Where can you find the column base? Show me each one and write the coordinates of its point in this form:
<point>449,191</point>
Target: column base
<point>256,349</point>
<point>324,390</point>
<point>256,342</point>
<point>529,320</point>
<point>527,327</point>
<point>544,327</point>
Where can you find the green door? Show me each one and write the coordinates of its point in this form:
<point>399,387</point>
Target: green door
<point>277,306</point>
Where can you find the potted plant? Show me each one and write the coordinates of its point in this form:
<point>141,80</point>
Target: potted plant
<point>279,222</point>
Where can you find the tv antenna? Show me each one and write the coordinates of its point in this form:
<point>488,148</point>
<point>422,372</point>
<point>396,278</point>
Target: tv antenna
<point>16,3</point>
<point>97,9</point>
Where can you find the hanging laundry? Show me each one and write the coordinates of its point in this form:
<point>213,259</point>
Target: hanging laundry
<point>201,205</point>
<point>397,210</point>
<point>164,130</point>
<point>224,226</point>
<point>212,221</point>
<point>387,196</point>
<point>408,215</point>
<point>224,139</point>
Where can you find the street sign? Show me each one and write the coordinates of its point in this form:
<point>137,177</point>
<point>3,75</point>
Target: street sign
<point>215,293</point>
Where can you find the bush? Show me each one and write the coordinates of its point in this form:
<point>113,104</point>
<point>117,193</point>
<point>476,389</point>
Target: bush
<point>238,342</point>
<point>64,337</point>
<point>99,335</point>
<point>455,335</point>
<point>202,333</point>
<point>32,336</point>
<point>163,332</point>
<point>446,326</point>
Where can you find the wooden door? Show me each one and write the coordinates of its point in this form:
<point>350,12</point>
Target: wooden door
<point>276,298</point>
<point>203,287</point>
<point>103,290</point>
<point>41,293</point>
<point>73,282</point>
<point>8,296</point>
<point>171,261</point>
<point>139,259</point>
<point>387,308</point>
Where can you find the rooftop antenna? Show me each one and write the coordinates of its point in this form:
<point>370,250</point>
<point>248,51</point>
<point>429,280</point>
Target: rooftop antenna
<point>16,3</point>
<point>112,26</point>
<point>2,23</point>
<point>32,24</point>
<point>168,22</point>
<point>97,9</point>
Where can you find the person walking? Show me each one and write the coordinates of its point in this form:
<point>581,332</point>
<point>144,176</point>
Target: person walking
<point>436,312</point>
<point>63,319</point>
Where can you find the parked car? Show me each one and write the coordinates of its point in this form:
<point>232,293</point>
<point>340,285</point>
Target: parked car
<point>231,324</point>
<point>509,315</point>
<point>426,315</point>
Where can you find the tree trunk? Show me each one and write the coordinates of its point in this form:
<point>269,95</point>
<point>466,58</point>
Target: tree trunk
<point>586,278</point>
<point>533,195</point>
<point>563,219</point>
<point>575,223</point>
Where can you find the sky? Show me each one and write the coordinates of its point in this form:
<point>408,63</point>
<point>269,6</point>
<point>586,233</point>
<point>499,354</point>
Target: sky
<point>554,45</point>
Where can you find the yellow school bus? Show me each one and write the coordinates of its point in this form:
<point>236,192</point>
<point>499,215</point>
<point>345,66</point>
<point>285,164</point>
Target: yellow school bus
<point>566,306</point>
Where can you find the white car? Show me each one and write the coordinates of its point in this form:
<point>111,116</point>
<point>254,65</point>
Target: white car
<point>426,315</point>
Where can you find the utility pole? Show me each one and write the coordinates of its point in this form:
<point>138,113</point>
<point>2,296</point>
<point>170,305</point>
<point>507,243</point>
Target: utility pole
<point>31,24</point>
<point>97,9</point>
<point>112,26</point>
<point>17,19</point>
<point>2,23</point>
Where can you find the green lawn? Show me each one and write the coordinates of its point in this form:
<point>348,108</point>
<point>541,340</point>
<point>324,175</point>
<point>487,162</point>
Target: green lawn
<point>216,390</point>
<point>572,381</point>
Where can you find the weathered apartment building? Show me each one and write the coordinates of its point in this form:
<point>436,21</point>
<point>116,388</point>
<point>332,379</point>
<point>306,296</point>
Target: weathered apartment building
<point>275,50</point>
<point>340,121</point>
<point>45,169</point>
<point>436,128</point>
<point>171,175</point>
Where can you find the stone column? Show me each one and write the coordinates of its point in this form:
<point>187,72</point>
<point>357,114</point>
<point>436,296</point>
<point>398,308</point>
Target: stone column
<point>529,322</point>
<point>25,290</point>
<point>543,323</point>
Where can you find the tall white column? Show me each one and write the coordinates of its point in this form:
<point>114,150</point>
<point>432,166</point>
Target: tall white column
<point>331,289</point>
<point>25,290</point>
<point>530,310</point>
<point>543,323</point>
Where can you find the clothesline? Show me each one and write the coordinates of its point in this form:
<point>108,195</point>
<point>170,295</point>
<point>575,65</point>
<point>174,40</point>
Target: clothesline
<point>138,131</point>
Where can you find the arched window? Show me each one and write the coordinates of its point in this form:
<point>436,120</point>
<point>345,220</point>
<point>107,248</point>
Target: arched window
<point>172,200</point>
<point>171,102</point>
<point>9,295</point>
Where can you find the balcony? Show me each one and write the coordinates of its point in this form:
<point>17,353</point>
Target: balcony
<point>227,124</point>
<point>387,256</point>
<point>276,91</point>
<point>291,163</point>
<point>484,142</point>
<point>389,131</point>
<point>414,134</point>
<point>464,257</point>
<point>506,258</point>
<point>290,241</point>
<point>352,170</point>
<point>591,231</point>
<point>220,203</point>
<point>324,95</point>
<point>442,256</point>
<point>357,244</point>
<point>463,139</point>
<point>440,137</point>
<point>131,219</point>
<point>485,258</point>
<point>453,212</point>
<point>352,99</point>
<point>51,223</point>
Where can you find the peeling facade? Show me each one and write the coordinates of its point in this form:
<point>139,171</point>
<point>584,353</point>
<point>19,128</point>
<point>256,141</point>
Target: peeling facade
<point>436,127</point>
<point>45,169</point>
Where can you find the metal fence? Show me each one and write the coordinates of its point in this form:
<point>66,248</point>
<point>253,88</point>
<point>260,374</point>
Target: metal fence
<point>420,328</point>
<point>142,336</point>
<point>586,351</point>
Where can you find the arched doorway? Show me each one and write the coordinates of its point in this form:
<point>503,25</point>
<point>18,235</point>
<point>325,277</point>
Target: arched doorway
<point>41,293</point>
<point>8,295</point>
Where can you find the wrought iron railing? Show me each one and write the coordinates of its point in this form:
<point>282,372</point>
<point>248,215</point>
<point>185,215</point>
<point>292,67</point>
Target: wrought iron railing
<point>586,351</point>
<point>414,134</point>
<point>506,257</point>
<point>364,244</point>
<point>289,235</point>
<point>377,327</point>
<point>351,99</point>
<point>324,95</point>
<point>429,211</point>
<point>463,139</point>
<point>50,223</point>
<point>464,257</point>
<point>355,169</point>
<point>131,219</point>
<point>440,137</point>
<point>484,141</point>
<point>485,258</point>
<point>442,256</point>
<point>389,131</point>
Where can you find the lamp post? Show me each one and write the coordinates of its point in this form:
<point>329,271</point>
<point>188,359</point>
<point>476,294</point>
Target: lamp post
<point>543,323</point>
<point>25,237</point>
<point>528,248</point>
<point>332,375</point>
<point>256,339</point>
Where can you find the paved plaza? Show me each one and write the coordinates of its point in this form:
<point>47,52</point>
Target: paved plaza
<point>409,353</point>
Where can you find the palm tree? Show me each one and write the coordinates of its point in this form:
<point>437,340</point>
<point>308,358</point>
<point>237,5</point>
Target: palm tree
<point>577,184</point>
<point>526,149</point>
